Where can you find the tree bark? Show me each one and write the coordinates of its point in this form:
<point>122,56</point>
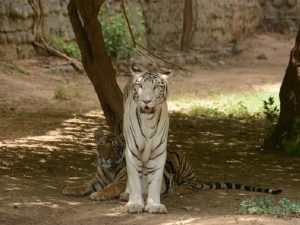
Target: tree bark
<point>289,100</point>
<point>95,59</point>
<point>187,29</point>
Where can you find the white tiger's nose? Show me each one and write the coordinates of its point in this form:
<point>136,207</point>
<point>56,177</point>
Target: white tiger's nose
<point>146,101</point>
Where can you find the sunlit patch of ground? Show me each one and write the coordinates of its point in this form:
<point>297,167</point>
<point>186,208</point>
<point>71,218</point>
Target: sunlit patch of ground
<point>239,105</point>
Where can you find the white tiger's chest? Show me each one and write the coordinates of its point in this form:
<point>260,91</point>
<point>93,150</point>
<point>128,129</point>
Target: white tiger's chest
<point>152,132</point>
<point>144,132</point>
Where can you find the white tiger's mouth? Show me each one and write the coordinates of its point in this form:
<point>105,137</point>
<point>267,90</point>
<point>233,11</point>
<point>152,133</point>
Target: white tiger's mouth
<point>147,110</point>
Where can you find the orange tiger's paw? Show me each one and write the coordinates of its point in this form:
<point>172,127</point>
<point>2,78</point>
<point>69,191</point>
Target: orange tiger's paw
<point>124,196</point>
<point>74,191</point>
<point>100,196</point>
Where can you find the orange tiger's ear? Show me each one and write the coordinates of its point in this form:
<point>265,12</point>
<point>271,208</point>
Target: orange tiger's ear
<point>98,135</point>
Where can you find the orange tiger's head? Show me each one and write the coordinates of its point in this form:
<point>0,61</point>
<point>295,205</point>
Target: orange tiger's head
<point>110,150</point>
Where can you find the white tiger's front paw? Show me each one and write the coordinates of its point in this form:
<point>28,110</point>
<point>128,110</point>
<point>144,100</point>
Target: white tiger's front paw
<point>156,208</point>
<point>124,196</point>
<point>133,208</point>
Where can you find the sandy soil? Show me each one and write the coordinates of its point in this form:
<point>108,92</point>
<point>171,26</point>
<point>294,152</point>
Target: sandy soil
<point>46,143</point>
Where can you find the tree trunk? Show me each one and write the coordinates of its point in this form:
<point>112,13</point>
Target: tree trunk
<point>289,100</point>
<point>187,29</point>
<point>95,59</point>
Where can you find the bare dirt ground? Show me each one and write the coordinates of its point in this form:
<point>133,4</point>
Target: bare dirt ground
<point>46,143</point>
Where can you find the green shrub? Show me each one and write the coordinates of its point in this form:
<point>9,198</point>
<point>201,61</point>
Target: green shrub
<point>115,32</point>
<point>271,113</point>
<point>116,35</point>
<point>267,205</point>
<point>70,48</point>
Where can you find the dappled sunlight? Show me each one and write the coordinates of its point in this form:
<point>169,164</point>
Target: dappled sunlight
<point>183,221</point>
<point>37,167</point>
<point>33,204</point>
<point>228,151</point>
<point>43,152</point>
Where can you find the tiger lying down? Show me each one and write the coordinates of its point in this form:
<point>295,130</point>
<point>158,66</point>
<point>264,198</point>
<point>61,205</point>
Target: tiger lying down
<point>111,177</point>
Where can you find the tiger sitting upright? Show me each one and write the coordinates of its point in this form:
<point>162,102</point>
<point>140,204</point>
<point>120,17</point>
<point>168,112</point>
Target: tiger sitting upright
<point>145,129</point>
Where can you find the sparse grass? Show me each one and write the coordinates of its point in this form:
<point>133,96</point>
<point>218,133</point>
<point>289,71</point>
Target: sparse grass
<point>60,92</point>
<point>267,205</point>
<point>225,105</point>
<point>18,68</point>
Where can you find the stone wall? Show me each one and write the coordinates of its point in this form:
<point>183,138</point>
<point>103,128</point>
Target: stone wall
<point>16,25</point>
<point>215,22</point>
<point>281,13</point>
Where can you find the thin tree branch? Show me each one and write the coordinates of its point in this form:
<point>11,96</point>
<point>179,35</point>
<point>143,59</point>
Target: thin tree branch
<point>135,44</point>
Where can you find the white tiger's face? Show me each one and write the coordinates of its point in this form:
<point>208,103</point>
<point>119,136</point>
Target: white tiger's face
<point>150,89</point>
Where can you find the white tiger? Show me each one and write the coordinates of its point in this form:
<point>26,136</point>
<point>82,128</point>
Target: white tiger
<point>146,125</point>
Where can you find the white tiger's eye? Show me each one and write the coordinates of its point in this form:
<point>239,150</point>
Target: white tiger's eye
<point>156,87</point>
<point>139,85</point>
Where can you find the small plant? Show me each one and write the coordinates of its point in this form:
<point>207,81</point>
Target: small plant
<point>267,205</point>
<point>60,92</point>
<point>271,111</point>
<point>19,69</point>
<point>281,21</point>
<point>235,46</point>
<point>292,143</point>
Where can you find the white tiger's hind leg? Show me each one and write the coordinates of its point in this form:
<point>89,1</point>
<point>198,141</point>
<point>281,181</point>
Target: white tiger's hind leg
<point>155,176</point>
<point>135,203</point>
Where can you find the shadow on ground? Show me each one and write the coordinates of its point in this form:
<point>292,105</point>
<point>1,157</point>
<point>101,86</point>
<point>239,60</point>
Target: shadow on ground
<point>49,152</point>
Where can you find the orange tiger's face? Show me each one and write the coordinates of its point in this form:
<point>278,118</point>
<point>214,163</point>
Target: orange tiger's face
<point>110,150</point>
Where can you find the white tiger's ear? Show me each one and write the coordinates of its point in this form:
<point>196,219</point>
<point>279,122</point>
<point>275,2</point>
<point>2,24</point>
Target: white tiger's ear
<point>135,70</point>
<point>166,74</point>
<point>97,135</point>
